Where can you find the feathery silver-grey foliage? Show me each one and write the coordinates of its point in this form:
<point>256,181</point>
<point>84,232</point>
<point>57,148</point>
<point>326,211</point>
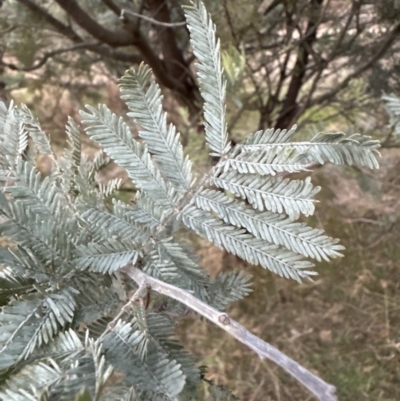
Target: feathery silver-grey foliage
<point>392,105</point>
<point>63,333</point>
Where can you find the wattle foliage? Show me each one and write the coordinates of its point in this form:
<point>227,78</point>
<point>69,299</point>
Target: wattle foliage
<point>61,285</point>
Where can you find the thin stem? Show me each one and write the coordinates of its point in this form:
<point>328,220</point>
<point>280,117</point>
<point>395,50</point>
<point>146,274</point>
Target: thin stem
<point>49,55</point>
<point>152,20</point>
<point>322,390</point>
<point>139,294</point>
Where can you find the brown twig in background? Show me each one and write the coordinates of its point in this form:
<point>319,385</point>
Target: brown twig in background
<point>152,20</point>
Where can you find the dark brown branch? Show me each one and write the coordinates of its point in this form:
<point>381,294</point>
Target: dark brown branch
<point>355,8</point>
<point>271,6</point>
<point>70,34</point>
<point>47,56</point>
<point>119,37</point>
<point>58,25</point>
<point>174,61</point>
<point>322,390</point>
<point>158,66</point>
<point>290,104</point>
<point>378,54</point>
<point>8,30</point>
<point>113,7</point>
<point>94,47</point>
<point>123,37</point>
<point>116,38</point>
<point>230,24</point>
<point>173,57</point>
<point>116,55</point>
<point>273,98</point>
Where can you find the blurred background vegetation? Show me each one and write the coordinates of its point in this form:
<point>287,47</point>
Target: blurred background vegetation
<point>323,64</point>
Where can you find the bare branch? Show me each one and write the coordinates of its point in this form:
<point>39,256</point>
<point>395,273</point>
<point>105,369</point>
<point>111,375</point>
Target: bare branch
<point>322,390</point>
<point>290,105</point>
<point>124,37</point>
<point>173,57</point>
<point>58,25</point>
<point>115,55</point>
<point>113,7</point>
<point>94,47</point>
<point>69,33</point>
<point>321,65</point>
<point>267,6</point>
<point>48,55</point>
<point>377,55</point>
<point>120,37</point>
<point>8,30</point>
<point>152,20</point>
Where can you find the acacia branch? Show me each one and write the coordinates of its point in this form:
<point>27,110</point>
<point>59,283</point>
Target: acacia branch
<point>322,390</point>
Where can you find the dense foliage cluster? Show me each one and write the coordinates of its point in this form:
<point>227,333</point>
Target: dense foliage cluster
<point>67,327</point>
